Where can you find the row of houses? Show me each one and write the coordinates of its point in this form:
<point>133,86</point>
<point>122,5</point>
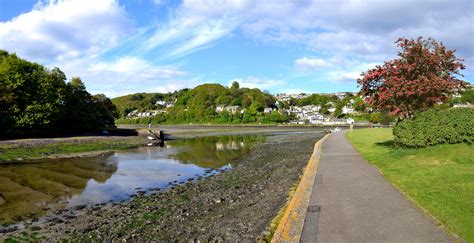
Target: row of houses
<point>138,114</point>
<point>167,104</point>
<point>287,97</point>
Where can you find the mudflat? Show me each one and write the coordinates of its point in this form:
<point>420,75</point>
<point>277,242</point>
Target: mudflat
<point>238,204</point>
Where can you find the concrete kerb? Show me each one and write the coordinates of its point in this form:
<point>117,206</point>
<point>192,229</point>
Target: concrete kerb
<point>291,225</point>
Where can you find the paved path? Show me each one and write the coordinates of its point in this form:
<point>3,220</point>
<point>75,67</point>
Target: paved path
<point>352,202</point>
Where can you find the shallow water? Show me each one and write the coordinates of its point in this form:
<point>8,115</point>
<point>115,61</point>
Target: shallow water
<point>31,190</point>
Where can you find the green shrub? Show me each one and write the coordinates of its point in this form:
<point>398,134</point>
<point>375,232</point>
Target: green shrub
<point>436,127</point>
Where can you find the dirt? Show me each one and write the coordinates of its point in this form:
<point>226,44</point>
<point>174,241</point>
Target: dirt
<point>235,205</point>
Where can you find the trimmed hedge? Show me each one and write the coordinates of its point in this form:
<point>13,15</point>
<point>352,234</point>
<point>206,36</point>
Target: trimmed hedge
<point>433,127</point>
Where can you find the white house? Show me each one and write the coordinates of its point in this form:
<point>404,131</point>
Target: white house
<point>268,110</point>
<point>169,104</point>
<point>316,119</point>
<point>220,108</point>
<point>347,109</point>
<point>232,108</point>
<point>161,102</point>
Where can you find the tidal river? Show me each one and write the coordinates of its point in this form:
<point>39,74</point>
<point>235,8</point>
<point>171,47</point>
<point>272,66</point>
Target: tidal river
<point>31,190</point>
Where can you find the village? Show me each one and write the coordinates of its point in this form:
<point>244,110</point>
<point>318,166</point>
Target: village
<point>299,115</point>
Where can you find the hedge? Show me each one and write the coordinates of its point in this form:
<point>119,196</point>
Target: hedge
<point>455,125</point>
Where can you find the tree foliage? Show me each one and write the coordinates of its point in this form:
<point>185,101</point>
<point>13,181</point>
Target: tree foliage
<point>424,74</point>
<point>36,100</point>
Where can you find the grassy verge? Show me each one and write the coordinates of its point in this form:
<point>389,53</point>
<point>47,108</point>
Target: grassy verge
<point>60,149</point>
<point>440,179</point>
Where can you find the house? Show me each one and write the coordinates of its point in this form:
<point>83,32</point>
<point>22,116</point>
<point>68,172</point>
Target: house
<point>220,108</point>
<point>277,104</point>
<point>169,104</point>
<point>316,119</point>
<point>232,108</point>
<point>268,110</point>
<point>347,109</point>
<point>161,102</point>
<point>467,105</point>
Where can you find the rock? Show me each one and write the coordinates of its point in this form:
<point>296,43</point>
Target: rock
<point>79,207</point>
<point>218,200</point>
<point>35,228</point>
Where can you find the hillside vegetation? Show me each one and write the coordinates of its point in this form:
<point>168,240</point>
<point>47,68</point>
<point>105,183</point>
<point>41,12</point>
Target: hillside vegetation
<point>199,105</point>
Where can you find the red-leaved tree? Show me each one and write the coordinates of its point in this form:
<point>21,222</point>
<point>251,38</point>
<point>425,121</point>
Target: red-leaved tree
<point>424,74</point>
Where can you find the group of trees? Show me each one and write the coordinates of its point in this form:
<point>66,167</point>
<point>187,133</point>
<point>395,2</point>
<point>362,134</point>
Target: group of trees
<point>36,100</point>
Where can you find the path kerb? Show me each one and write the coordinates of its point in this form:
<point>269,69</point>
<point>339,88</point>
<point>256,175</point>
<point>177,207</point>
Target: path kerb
<point>291,224</point>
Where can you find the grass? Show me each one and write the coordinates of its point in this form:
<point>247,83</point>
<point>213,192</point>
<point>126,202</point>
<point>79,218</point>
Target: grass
<point>60,148</point>
<point>439,179</point>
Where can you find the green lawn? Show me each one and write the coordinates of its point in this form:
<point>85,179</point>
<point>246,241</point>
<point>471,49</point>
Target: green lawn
<point>440,179</point>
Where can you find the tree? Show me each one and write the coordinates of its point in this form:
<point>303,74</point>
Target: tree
<point>424,74</point>
<point>359,104</point>
<point>235,85</point>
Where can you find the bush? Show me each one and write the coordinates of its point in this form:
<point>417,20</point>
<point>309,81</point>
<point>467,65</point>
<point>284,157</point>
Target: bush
<point>436,127</point>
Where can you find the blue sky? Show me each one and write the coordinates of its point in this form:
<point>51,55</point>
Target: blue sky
<point>127,46</point>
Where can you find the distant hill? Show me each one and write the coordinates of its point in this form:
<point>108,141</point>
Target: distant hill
<point>206,103</point>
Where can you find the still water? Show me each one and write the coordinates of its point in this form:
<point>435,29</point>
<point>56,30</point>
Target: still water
<point>31,190</point>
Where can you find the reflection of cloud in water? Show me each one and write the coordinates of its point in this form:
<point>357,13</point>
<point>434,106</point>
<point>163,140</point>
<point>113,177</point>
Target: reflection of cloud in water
<point>139,173</point>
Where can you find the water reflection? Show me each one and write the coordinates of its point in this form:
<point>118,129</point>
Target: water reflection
<point>29,190</point>
<point>215,152</point>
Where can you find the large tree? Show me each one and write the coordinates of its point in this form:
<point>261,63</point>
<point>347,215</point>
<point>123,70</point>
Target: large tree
<point>424,74</point>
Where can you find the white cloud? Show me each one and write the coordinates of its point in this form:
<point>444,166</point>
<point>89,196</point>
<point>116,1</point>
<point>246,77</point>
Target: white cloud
<point>311,64</point>
<point>59,30</point>
<point>348,74</point>
<point>258,82</point>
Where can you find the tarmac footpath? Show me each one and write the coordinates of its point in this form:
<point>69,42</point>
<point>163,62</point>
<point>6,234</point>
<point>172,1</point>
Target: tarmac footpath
<point>352,202</point>
<point>342,198</point>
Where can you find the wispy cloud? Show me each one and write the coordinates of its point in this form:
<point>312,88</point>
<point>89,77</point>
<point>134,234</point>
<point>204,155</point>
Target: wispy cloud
<point>311,64</point>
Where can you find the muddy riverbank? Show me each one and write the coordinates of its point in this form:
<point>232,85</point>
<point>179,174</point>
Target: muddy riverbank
<point>238,204</point>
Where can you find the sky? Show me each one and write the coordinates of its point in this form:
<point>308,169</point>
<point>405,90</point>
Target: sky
<point>119,47</point>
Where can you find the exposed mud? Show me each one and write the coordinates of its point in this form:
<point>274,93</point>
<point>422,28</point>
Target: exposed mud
<point>233,205</point>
